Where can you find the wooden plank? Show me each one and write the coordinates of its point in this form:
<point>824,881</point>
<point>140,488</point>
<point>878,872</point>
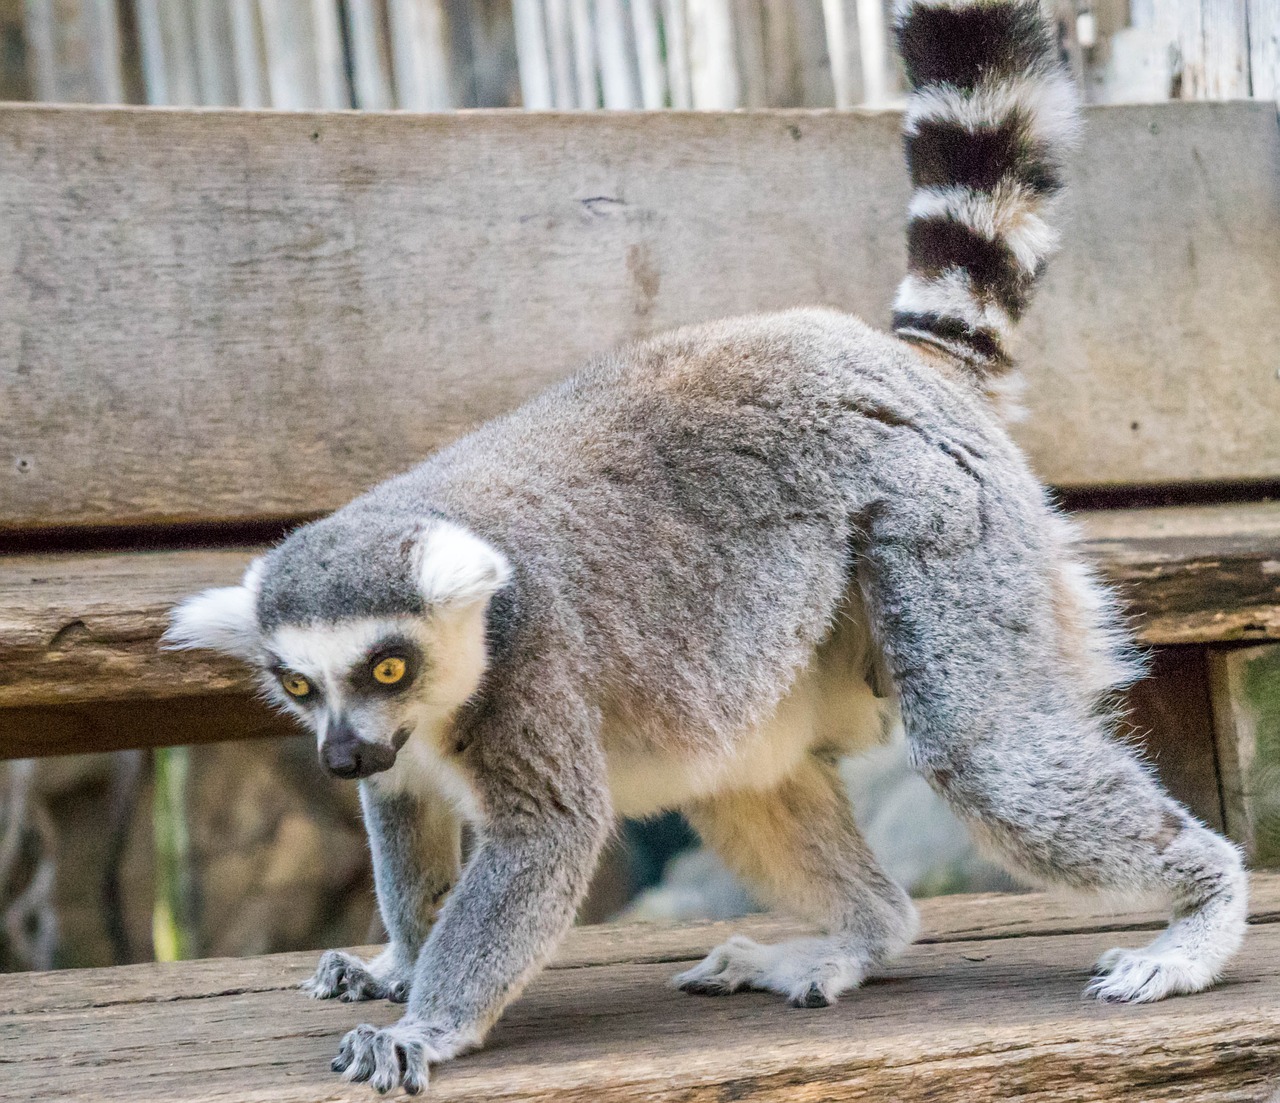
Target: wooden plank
<point>980,1020</point>
<point>943,919</point>
<point>1193,574</point>
<point>27,732</point>
<point>85,627</point>
<point>316,264</point>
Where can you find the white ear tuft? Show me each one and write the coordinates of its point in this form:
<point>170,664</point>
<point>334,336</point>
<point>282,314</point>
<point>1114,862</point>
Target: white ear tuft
<point>223,619</point>
<point>458,568</point>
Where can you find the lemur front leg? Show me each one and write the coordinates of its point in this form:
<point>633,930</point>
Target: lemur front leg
<point>542,787</point>
<point>415,842</point>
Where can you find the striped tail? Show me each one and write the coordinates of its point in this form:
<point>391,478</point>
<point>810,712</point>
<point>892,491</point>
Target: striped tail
<point>991,114</point>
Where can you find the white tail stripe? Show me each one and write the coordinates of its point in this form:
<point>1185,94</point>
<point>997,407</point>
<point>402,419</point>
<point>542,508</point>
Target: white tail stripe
<point>1047,105</point>
<point>951,296</point>
<point>1009,214</point>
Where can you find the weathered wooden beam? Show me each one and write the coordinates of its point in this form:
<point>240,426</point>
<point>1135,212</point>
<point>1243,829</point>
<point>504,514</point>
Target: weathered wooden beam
<point>943,920</point>
<point>1193,574</point>
<point>981,1019</point>
<point>79,631</point>
<point>218,315</point>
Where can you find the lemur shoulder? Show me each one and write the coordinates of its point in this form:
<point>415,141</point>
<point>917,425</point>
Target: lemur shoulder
<point>705,565</point>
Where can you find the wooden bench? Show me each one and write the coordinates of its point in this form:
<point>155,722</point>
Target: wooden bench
<point>216,324</point>
<point>985,1007</point>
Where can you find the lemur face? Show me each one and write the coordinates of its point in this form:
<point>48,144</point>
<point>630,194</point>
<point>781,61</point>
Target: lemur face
<point>366,652</point>
<point>366,686</point>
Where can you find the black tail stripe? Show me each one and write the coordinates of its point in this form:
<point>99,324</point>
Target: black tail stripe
<point>982,341</point>
<point>937,245</point>
<point>965,46</point>
<point>942,153</point>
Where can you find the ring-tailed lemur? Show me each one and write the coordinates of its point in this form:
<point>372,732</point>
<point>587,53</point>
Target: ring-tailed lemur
<point>696,572</point>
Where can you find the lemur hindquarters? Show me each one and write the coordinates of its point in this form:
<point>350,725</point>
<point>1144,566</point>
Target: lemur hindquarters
<point>688,576</point>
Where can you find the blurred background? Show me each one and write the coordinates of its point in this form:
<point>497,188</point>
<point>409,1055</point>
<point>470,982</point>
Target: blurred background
<point>246,847</point>
<point>436,55</point>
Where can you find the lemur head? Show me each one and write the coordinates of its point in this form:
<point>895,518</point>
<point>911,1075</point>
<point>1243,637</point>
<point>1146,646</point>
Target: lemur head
<point>367,627</point>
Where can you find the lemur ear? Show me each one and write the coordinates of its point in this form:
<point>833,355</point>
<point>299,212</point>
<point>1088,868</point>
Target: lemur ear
<point>223,619</point>
<point>456,567</point>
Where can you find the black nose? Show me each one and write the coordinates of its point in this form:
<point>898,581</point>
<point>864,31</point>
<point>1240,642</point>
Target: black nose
<point>355,757</point>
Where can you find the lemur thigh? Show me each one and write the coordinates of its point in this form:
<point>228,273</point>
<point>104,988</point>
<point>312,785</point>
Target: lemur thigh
<point>415,843</point>
<point>799,847</point>
<point>1002,717</point>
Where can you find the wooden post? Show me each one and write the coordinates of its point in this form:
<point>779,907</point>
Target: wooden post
<point>531,48</point>
<point>1182,49</point>
<point>747,21</point>
<point>420,51</point>
<point>618,78</point>
<point>1170,719</point>
<point>675,23</point>
<point>713,67</point>
<point>214,54</point>
<point>1264,49</point>
<point>844,44</point>
<point>805,24</point>
<point>653,77</point>
<point>370,63</point>
<point>1245,684</point>
<point>881,76</point>
<point>73,50</point>
<point>167,38</point>
<point>305,68</point>
<point>584,53</point>
<point>248,54</point>
<point>564,89</point>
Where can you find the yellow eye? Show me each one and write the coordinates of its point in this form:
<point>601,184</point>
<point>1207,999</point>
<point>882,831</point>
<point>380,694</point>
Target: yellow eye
<point>389,671</point>
<point>295,685</point>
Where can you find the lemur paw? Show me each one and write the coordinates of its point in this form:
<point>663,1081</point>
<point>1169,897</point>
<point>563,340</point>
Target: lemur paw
<point>1143,976</point>
<point>809,972</point>
<point>394,1056</point>
<point>347,977</point>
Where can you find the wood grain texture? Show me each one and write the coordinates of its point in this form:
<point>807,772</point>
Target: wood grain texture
<point>215,315</point>
<point>1193,574</point>
<point>943,919</point>
<point>979,1019</point>
<point>80,628</point>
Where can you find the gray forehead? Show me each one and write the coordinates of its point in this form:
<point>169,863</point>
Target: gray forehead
<point>339,568</point>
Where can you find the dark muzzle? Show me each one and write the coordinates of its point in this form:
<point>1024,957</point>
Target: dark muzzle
<point>344,754</point>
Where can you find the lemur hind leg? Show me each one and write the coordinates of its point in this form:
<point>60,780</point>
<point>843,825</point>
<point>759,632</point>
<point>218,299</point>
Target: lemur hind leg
<point>416,847</point>
<point>799,848</point>
<point>993,635</point>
